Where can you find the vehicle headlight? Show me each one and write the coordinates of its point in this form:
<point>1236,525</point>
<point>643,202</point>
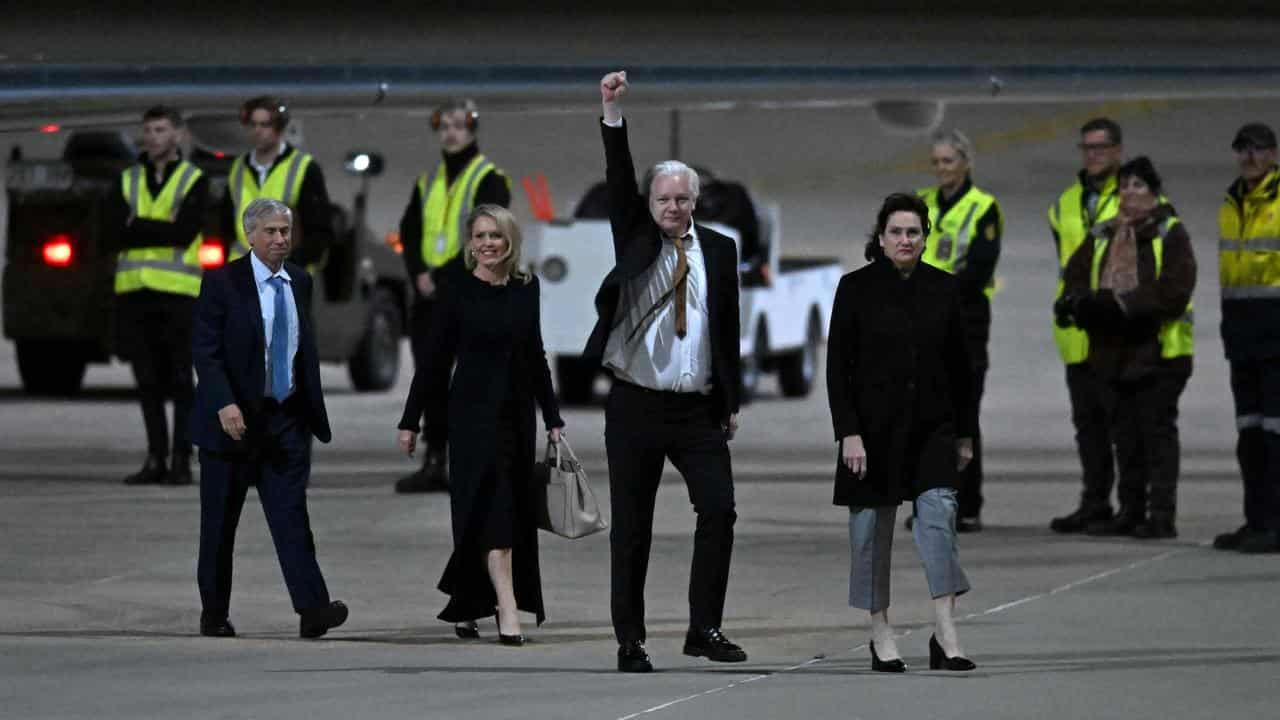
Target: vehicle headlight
<point>554,269</point>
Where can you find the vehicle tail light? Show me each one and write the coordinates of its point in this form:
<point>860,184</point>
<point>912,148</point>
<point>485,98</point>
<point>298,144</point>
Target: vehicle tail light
<point>57,251</point>
<point>212,254</point>
<point>393,242</point>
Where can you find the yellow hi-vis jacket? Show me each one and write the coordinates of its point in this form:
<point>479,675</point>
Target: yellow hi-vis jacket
<point>1071,222</point>
<point>1177,337</point>
<point>166,269</point>
<point>1249,241</point>
<point>445,208</point>
<point>284,183</point>
<point>950,235</point>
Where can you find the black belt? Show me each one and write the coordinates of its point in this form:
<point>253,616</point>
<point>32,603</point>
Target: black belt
<point>659,393</point>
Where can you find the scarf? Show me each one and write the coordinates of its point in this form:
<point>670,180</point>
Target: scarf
<point>1121,272</point>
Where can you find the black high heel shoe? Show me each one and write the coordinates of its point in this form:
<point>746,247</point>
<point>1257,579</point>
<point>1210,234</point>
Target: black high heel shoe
<point>938,659</point>
<point>467,631</point>
<point>516,640</point>
<point>878,665</point>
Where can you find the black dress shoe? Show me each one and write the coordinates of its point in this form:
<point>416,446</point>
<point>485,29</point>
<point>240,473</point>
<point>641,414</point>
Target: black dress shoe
<point>152,473</point>
<point>217,627</point>
<point>1155,529</point>
<point>1231,540</point>
<point>316,623</point>
<point>433,477</point>
<point>514,640</point>
<point>1123,524</point>
<point>1081,519</point>
<point>467,631</point>
<point>1257,542</point>
<point>894,666</point>
<point>938,659</point>
<point>632,658</point>
<point>179,471</point>
<point>711,644</point>
<point>969,524</point>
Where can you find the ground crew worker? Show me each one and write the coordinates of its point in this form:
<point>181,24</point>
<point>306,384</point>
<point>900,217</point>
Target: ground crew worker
<point>966,228</point>
<point>1091,199</point>
<point>1249,266</point>
<point>432,235</point>
<point>276,170</point>
<point>155,221</point>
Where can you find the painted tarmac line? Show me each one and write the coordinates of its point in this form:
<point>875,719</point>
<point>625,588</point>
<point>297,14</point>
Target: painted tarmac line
<point>982,613</point>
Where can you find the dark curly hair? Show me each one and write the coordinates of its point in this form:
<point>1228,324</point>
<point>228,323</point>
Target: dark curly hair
<point>897,202</point>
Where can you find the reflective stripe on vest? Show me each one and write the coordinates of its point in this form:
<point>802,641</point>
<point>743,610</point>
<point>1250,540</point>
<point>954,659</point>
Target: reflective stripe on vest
<point>1249,242</point>
<point>1071,220</point>
<point>1177,337</point>
<point>445,208</point>
<point>284,183</point>
<point>165,269</point>
<point>947,246</point>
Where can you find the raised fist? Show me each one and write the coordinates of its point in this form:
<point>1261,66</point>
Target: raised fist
<point>613,86</point>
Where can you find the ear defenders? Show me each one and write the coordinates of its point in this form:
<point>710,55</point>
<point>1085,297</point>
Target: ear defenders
<point>466,106</point>
<point>279,111</point>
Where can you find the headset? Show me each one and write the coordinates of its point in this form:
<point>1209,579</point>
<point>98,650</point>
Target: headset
<point>465,105</point>
<point>278,109</point>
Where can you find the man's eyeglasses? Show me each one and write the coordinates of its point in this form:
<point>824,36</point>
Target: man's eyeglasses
<point>1096,147</point>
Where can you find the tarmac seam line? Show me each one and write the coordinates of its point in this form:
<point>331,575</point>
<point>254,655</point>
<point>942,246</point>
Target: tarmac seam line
<point>990,611</point>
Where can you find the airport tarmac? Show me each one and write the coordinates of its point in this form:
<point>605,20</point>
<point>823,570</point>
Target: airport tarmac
<point>99,611</point>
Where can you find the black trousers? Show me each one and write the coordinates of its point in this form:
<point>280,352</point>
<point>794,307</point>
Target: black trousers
<point>154,330</point>
<point>643,429</point>
<point>1093,434</point>
<point>279,466</point>
<point>1144,422</point>
<point>1255,385</point>
<point>419,341</point>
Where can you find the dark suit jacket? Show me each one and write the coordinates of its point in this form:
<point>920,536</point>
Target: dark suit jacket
<point>898,374</point>
<point>227,349</point>
<point>637,240</point>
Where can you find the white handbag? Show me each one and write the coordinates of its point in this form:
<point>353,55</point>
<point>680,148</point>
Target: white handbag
<point>568,508</point>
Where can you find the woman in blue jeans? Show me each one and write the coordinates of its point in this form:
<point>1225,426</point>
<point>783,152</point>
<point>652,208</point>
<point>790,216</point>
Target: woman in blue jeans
<point>899,386</point>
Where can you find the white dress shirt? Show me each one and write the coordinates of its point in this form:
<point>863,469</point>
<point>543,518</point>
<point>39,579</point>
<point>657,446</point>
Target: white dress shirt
<point>263,170</point>
<point>267,299</point>
<point>643,347</point>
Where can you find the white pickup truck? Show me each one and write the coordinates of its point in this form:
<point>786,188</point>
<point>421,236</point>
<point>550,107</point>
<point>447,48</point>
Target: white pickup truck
<point>785,302</point>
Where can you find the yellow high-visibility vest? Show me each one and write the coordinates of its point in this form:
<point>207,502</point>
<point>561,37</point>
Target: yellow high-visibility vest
<point>950,235</point>
<point>166,269</point>
<point>445,208</point>
<point>1177,337</point>
<point>1072,221</point>
<point>284,183</point>
<point>1249,242</point>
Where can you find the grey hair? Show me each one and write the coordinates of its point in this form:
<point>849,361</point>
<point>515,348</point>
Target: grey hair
<point>674,168</point>
<point>957,141</point>
<point>261,209</point>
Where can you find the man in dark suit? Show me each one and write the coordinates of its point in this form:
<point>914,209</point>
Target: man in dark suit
<point>668,335</point>
<point>257,402</point>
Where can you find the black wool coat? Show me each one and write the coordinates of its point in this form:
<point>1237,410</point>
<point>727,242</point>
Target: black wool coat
<point>494,335</point>
<point>898,375</point>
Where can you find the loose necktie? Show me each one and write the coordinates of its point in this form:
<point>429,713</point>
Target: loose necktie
<point>681,288</point>
<point>279,343</point>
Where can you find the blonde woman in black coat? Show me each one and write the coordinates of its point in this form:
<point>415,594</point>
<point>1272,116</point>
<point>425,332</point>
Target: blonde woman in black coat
<point>898,382</point>
<point>488,324</point>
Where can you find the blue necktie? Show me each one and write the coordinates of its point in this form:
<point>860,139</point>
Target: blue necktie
<point>279,343</point>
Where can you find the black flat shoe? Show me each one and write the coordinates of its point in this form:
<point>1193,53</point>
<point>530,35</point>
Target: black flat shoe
<point>467,631</point>
<point>317,622</point>
<point>1231,540</point>
<point>1081,519</point>
<point>632,658</point>
<point>893,666</point>
<point>711,644</point>
<point>217,627</point>
<point>969,524</point>
<point>1155,529</point>
<point>513,640</point>
<point>938,659</point>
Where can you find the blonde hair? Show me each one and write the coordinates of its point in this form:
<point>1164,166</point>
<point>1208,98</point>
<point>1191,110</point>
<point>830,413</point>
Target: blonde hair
<point>957,141</point>
<point>510,230</point>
